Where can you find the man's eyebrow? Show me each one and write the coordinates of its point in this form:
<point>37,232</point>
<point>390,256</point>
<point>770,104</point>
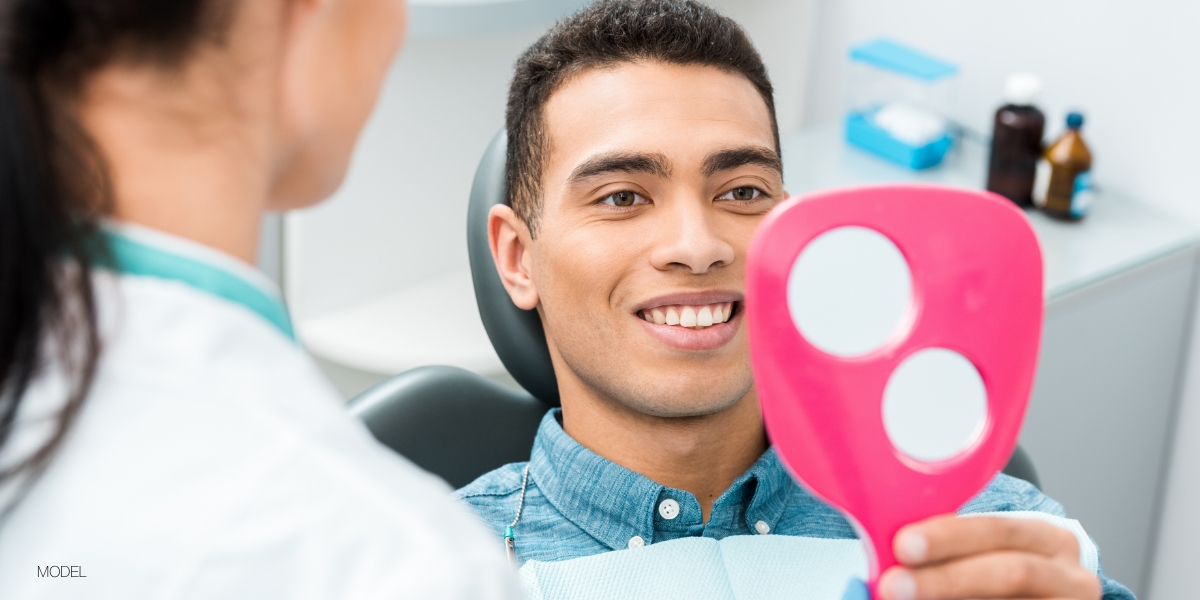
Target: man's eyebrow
<point>621,162</point>
<point>733,158</point>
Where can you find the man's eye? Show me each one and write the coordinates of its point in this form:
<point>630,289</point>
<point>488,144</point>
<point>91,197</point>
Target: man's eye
<point>624,199</point>
<point>742,194</point>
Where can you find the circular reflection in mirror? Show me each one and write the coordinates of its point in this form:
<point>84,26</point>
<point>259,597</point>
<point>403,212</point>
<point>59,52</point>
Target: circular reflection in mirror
<point>849,290</point>
<point>934,405</point>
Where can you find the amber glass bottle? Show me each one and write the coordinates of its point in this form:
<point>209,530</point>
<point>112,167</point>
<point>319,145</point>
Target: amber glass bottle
<point>1016,141</point>
<point>1064,180</point>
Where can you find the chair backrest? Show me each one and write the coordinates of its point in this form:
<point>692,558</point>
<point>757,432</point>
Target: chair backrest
<point>451,422</point>
<point>516,334</point>
<point>459,425</point>
<point>1021,466</point>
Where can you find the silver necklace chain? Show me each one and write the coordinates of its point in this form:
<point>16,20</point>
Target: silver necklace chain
<point>521,503</point>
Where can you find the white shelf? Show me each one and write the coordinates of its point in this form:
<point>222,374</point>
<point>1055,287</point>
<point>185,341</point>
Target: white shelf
<point>431,18</point>
<point>434,323</point>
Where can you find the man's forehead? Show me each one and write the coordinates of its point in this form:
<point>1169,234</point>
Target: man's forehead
<point>654,111</point>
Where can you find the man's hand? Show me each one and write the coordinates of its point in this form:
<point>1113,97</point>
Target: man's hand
<point>950,558</point>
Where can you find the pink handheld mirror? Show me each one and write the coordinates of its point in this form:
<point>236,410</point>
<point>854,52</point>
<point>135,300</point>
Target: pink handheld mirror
<point>894,335</point>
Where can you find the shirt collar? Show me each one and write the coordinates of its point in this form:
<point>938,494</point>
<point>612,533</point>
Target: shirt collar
<point>769,487</point>
<point>142,251</point>
<point>613,504</point>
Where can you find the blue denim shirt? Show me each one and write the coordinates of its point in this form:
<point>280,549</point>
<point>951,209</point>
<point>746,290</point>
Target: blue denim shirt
<point>578,503</point>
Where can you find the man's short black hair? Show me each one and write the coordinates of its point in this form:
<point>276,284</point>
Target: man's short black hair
<point>602,34</point>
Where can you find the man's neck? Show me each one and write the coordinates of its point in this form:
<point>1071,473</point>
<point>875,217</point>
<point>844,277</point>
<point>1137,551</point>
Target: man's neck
<point>701,455</point>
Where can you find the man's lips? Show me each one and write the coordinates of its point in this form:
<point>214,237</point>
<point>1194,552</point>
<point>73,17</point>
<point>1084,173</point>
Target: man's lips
<point>690,299</point>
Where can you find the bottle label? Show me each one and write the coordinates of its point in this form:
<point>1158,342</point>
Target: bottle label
<point>1041,183</point>
<point>1063,191</point>
<point>1083,195</point>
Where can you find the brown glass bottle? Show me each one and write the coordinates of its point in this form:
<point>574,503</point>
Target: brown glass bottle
<point>1064,181</point>
<point>1016,147</point>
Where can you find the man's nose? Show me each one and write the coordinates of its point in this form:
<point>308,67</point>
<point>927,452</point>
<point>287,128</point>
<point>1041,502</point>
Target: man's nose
<point>689,240</point>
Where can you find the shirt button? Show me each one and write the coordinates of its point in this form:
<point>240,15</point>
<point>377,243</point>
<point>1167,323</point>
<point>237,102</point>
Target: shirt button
<point>636,542</point>
<point>762,528</point>
<point>669,509</point>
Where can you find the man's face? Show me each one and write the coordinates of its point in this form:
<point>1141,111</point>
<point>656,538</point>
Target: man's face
<point>657,176</point>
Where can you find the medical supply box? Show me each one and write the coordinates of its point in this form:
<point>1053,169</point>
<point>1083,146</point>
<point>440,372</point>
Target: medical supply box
<point>899,101</point>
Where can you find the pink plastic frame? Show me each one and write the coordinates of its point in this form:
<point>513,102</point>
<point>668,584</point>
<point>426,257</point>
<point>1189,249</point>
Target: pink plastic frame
<point>976,269</point>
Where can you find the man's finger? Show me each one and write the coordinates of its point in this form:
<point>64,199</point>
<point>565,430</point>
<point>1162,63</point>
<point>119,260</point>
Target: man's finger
<point>994,575</point>
<point>943,538</point>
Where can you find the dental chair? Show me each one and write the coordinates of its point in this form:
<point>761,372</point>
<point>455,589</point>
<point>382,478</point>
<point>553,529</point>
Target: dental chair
<point>459,425</point>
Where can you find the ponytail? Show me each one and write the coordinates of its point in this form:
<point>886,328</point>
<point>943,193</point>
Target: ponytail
<point>46,296</point>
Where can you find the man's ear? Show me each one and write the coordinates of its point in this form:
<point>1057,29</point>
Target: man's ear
<point>509,238</point>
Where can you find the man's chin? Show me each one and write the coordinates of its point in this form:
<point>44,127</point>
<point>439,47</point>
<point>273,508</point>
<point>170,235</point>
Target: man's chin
<point>664,400</point>
<point>682,409</point>
<point>664,389</point>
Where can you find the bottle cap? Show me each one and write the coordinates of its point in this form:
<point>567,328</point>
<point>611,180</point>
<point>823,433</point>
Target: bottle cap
<point>1074,120</point>
<point>1021,88</point>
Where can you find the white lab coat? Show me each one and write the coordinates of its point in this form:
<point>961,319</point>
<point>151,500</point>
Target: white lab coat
<point>213,460</point>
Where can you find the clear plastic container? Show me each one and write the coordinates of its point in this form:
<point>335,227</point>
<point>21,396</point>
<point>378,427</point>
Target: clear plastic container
<point>899,103</point>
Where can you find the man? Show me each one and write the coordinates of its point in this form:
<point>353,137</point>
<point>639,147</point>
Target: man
<point>643,151</point>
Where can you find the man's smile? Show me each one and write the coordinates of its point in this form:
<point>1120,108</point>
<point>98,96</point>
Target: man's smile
<point>692,321</point>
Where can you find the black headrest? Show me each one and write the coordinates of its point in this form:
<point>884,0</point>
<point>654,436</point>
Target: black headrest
<point>516,334</point>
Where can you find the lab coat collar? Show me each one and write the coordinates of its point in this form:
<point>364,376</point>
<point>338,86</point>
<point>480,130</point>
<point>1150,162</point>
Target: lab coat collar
<point>137,250</point>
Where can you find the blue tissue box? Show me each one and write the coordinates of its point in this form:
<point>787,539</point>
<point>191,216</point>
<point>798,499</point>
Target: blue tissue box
<point>862,132</point>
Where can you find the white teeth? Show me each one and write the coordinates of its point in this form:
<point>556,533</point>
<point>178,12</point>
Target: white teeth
<point>687,317</point>
<point>672,316</point>
<point>697,317</point>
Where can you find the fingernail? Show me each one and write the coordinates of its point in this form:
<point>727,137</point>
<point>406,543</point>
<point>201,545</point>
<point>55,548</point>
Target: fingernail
<point>902,585</point>
<point>912,547</point>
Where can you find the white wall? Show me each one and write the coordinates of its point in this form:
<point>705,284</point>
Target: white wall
<point>782,31</point>
<point>400,217</point>
<point>1131,67</point>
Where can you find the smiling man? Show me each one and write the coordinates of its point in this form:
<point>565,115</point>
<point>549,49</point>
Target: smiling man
<point>642,153</point>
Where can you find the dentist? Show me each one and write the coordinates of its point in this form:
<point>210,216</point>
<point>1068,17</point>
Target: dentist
<point>161,432</point>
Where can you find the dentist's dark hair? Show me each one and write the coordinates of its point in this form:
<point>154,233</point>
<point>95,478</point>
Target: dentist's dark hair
<point>54,189</point>
<point>604,34</point>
